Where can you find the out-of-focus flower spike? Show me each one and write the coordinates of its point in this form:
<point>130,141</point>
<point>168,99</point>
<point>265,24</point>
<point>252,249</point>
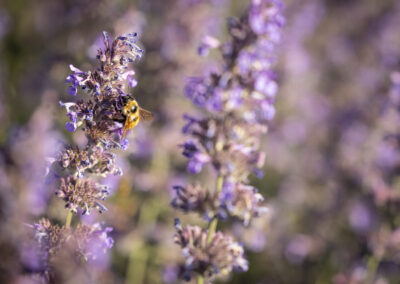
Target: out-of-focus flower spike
<point>237,103</point>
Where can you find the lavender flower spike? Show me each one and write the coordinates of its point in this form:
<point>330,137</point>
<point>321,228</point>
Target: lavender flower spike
<point>237,103</point>
<point>107,87</point>
<point>76,170</point>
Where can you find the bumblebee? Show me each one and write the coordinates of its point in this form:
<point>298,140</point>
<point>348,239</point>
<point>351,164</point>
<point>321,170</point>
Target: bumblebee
<point>131,114</point>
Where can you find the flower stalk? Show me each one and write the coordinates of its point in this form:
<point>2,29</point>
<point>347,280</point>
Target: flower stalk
<point>237,102</point>
<point>101,115</point>
<point>69,219</point>
<point>212,226</point>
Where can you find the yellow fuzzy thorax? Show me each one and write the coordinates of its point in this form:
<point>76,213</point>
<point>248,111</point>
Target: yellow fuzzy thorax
<point>131,111</point>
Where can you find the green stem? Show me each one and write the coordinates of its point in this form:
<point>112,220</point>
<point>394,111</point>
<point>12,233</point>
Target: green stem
<point>140,258</point>
<point>372,266</point>
<point>137,264</point>
<point>212,226</point>
<point>69,219</point>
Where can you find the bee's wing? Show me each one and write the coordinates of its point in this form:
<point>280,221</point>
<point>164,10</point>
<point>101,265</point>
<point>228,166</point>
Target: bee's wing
<point>145,115</point>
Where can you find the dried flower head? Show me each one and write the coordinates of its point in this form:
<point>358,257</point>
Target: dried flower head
<point>82,243</point>
<point>241,201</point>
<point>235,199</point>
<point>50,238</point>
<point>92,241</point>
<point>193,198</point>
<point>219,257</point>
<point>84,194</point>
<point>94,160</point>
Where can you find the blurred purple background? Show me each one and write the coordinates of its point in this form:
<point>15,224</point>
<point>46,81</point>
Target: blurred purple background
<point>332,172</point>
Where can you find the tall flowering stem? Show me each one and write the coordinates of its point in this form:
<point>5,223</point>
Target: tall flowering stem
<point>212,226</point>
<point>100,114</point>
<point>69,219</point>
<point>237,102</point>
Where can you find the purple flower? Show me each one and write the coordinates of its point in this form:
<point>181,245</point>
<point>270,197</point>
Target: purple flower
<point>227,193</point>
<point>215,102</point>
<point>265,18</point>
<point>72,116</point>
<point>190,122</point>
<point>207,43</point>
<point>197,91</point>
<point>235,99</point>
<point>245,61</point>
<point>105,238</point>
<point>129,77</point>
<point>197,162</point>
<point>76,71</point>
<point>92,241</point>
<point>70,126</point>
<point>76,79</point>
<point>191,198</point>
<point>189,149</point>
<point>268,110</point>
<point>72,90</point>
<point>266,85</point>
<point>67,106</point>
<point>132,81</point>
<point>124,144</point>
<point>242,201</point>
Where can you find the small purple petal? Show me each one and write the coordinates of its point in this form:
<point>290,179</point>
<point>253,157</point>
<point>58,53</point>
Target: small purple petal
<point>75,70</point>
<point>72,90</point>
<point>265,85</point>
<point>72,116</point>
<point>196,164</point>
<point>189,149</point>
<point>268,110</point>
<point>207,43</point>
<point>131,81</point>
<point>71,127</point>
<point>124,144</point>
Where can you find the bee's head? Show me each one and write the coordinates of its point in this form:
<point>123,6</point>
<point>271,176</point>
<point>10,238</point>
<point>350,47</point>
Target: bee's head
<point>131,107</point>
